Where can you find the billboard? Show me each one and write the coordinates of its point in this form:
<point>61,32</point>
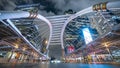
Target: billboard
<point>70,49</point>
<point>87,35</point>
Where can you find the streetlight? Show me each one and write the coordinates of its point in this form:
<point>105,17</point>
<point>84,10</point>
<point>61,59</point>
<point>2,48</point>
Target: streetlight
<point>46,42</point>
<point>106,45</point>
<point>16,46</point>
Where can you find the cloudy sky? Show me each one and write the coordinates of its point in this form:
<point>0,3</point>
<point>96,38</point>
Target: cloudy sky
<point>51,7</point>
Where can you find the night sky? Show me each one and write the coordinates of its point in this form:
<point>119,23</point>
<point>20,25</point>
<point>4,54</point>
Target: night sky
<point>51,7</point>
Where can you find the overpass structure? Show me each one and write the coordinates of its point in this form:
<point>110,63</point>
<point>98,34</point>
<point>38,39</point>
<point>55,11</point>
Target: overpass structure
<point>56,24</point>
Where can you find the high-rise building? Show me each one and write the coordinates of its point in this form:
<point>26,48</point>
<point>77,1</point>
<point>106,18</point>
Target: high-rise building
<point>104,22</point>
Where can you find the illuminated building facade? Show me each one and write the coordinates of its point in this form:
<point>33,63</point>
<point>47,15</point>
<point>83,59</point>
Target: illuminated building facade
<point>27,31</point>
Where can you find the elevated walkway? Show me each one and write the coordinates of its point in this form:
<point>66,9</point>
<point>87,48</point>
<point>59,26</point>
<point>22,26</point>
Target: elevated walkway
<point>57,25</point>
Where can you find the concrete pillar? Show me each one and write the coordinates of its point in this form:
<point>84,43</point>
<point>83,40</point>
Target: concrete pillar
<point>63,53</point>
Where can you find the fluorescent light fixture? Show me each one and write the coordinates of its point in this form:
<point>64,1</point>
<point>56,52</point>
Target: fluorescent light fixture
<point>87,35</point>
